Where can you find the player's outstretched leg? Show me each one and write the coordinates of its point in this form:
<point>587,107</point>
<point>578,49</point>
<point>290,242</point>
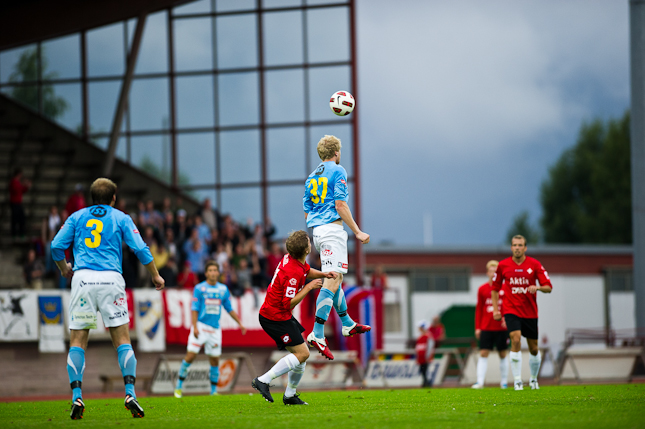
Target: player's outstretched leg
<point>503,370</point>
<point>316,338</point>
<point>290,396</point>
<point>214,376</point>
<point>534,365</point>
<point>284,365</point>
<point>128,365</point>
<point>349,326</point>
<point>183,372</point>
<point>75,370</point>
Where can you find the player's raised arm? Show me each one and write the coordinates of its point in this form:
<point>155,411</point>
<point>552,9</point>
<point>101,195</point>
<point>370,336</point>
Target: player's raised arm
<point>346,215</point>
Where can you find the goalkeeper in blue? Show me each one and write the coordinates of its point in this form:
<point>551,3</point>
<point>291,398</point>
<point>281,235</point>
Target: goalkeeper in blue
<point>325,206</point>
<point>209,297</point>
<point>97,233</point>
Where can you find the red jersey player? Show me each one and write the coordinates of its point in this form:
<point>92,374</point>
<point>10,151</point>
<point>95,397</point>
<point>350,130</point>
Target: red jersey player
<point>424,349</point>
<point>519,275</point>
<point>490,332</point>
<point>286,291</point>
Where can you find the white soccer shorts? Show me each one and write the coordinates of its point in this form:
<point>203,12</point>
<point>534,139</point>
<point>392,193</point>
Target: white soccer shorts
<point>331,242</point>
<point>209,337</point>
<point>93,291</point>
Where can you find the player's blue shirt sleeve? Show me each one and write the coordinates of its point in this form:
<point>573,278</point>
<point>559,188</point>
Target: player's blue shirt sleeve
<point>340,184</point>
<point>134,241</point>
<point>63,238</point>
<point>198,299</point>
<point>226,301</point>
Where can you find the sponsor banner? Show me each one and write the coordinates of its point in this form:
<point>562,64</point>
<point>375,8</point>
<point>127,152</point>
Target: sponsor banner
<point>403,373</point>
<point>52,329</point>
<point>164,379</point>
<point>150,323</point>
<point>18,315</point>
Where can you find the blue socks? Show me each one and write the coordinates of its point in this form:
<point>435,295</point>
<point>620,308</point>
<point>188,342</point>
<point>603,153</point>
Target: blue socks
<point>341,307</point>
<point>75,370</point>
<point>324,303</point>
<point>183,372</point>
<point>128,365</point>
<point>214,379</point>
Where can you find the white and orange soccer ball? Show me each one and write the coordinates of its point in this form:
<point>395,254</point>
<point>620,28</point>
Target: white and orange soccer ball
<point>342,103</point>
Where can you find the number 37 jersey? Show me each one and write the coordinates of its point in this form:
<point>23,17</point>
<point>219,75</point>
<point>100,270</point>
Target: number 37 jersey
<point>323,187</point>
<point>98,233</point>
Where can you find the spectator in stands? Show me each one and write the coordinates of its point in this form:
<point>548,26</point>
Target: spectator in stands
<point>187,278</point>
<point>121,205</point>
<point>196,253</point>
<point>168,219</point>
<point>142,216</point>
<point>166,207</point>
<point>76,201</point>
<point>17,187</point>
<point>209,216</point>
<point>34,271</point>
<point>181,228</point>
<point>228,276</point>
<point>153,217</point>
<point>245,275</point>
<point>49,227</point>
<point>424,349</point>
<point>203,230</point>
<point>437,330</point>
<point>379,278</point>
<point>224,253</point>
<point>274,258</point>
<point>171,244</point>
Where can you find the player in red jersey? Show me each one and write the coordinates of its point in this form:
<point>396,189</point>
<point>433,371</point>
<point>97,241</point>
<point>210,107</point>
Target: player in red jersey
<point>286,291</point>
<point>424,349</point>
<point>490,332</point>
<point>520,275</point>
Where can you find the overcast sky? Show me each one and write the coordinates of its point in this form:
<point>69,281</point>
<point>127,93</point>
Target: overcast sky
<point>464,105</point>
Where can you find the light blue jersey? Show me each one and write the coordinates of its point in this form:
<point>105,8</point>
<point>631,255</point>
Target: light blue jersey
<point>323,187</point>
<point>98,233</point>
<point>208,301</point>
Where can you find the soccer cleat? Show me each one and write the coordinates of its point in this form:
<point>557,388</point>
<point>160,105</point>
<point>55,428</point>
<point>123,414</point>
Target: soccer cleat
<point>503,385</point>
<point>519,385</point>
<point>534,385</point>
<point>178,393</point>
<point>477,386</point>
<point>293,400</point>
<point>355,329</point>
<point>134,407</point>
<point>263,388</point>
<point>320,345</point>
<point>78,406</point>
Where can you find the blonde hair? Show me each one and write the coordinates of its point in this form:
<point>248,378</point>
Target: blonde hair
<point>328,146</point>
<point>491,263</point>
<point>518,237</point>
<point>102,191</point>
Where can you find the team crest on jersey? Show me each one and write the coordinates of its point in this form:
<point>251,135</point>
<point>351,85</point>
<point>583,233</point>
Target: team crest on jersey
<point>320,169</point>
<point>293,282</point>
<point>98,211</point>
<point>286,339</point>
<point>530,270</point>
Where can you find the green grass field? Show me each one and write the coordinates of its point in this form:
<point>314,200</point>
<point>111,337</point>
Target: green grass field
<point>620,406</point>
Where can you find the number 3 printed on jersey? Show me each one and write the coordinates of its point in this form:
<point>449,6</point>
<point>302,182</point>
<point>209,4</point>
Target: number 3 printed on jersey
<point>95,241</point>
<point>313,190</point>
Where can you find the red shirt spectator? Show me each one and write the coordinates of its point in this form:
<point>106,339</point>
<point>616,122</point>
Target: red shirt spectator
<point>273,259</point>
<point>437,330</point>
<point>379,278</point>
<point>17,188</point>
<point>187,279</point>
<point>76,201</point>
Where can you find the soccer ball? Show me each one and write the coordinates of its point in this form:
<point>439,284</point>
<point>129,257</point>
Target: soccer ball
<point>342,103</point>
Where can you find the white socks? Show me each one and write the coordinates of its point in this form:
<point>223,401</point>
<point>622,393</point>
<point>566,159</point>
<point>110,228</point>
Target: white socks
<point>482,365</point>
<point>534,364</point>
<point>503,369</point>
<point>516,365</point>
<point>282,366</point>
<point>294,378</point>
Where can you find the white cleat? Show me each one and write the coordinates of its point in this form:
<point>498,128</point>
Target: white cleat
<point>534,385</point>
<point>320,345</point>
<point>519,385</point>
<point>477,386</point>
<point>503,385</point>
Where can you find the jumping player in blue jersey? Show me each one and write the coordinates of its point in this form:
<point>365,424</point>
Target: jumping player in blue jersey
<point>208,299</point>
<point>97,233</point>
<point>325,206</point>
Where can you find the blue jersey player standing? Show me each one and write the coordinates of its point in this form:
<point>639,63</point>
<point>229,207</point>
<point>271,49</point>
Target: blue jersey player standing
<point>97,233</point>
<point>325,206</point>
<point>208,299</point>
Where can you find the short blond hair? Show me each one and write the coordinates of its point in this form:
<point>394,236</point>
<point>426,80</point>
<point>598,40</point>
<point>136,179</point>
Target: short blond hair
<point>518,237</point>
<point>102,191</point>
<point>491,263</point>
<point>328,146</point>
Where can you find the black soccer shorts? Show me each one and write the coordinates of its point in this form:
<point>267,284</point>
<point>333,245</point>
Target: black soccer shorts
<point>283,332</point>
<point>490,339</point>
<point>529,327</point>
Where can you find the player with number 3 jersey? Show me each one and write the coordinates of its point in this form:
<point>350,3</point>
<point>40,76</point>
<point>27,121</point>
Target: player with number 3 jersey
<point>97,233</point>
<point>286,290</point>
<point>325,206</point>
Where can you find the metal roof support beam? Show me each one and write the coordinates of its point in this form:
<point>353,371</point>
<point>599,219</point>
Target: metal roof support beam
<point>123,97</point>
<point>637,59</point>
